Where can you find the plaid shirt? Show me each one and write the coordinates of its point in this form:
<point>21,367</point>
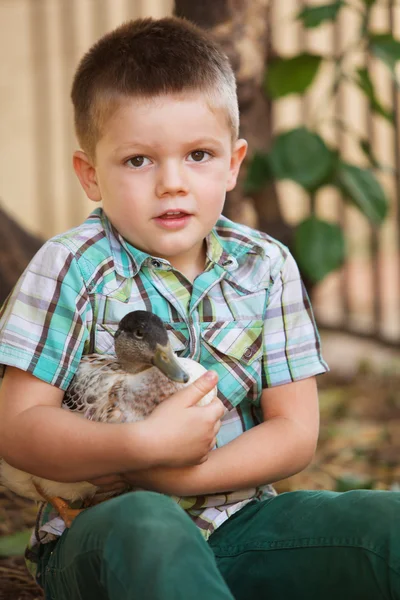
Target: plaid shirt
<point>247,316</point>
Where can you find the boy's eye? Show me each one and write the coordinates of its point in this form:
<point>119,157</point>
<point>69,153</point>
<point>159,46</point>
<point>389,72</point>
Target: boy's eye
<point>199,155</point>
<point>138,161</point>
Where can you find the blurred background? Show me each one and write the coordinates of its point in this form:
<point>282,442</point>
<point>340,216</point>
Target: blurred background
<point>318,86</point>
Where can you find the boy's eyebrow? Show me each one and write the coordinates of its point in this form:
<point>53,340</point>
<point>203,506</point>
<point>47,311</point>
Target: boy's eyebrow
<point>199,142</point>
<point>204,141</point>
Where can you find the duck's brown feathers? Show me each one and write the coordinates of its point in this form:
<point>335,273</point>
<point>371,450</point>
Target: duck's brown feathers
<point>102,391</point>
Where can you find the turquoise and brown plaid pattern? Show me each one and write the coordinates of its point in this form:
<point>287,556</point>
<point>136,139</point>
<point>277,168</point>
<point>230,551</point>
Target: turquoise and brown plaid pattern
<point>247,316</point>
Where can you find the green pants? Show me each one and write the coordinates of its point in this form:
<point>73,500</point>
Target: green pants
<point>299,545</point>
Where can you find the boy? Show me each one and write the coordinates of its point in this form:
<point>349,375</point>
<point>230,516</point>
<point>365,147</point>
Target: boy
<point>157,119</point>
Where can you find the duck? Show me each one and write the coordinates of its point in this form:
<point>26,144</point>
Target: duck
<point>120,388</point>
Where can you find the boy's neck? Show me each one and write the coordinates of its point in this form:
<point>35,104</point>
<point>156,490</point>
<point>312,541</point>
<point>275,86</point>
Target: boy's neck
<point>191,266</point>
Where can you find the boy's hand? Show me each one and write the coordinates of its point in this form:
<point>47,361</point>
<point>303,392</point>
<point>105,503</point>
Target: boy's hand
<point>181,432</point>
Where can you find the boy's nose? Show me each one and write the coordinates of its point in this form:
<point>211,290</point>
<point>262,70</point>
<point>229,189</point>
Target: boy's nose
<point>171,180</point>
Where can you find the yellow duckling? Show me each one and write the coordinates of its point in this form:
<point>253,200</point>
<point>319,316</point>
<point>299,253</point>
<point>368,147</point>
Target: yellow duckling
<point>112,389</point>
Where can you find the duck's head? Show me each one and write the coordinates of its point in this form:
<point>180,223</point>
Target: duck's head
<point>141,341</point>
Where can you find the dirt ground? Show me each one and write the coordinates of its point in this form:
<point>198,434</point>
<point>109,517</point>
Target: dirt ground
<point>359,447</point>
<point>16,514</point>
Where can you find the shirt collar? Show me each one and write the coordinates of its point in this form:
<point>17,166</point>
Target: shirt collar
<point>128,260</point>
<point>227,245</point>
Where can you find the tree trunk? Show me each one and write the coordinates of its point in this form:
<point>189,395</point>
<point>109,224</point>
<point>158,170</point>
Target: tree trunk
<point>17,247</point>
<point>241,27</point>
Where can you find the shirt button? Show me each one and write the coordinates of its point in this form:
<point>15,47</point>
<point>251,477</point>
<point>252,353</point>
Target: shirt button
<point>248,353</point>
<point>156,263</point>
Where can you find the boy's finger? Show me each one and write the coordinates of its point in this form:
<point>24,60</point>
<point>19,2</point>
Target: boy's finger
<point>217,427</point>
<point>217,406</point>
<point>196,390</point>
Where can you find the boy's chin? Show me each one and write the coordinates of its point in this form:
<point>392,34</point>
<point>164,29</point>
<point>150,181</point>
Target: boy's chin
<point>188,250</point>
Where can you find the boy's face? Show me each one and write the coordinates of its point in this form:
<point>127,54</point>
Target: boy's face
<point>162,168</point>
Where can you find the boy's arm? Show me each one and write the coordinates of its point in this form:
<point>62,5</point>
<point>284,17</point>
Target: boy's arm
<point>282,445</point>
<point>39,437</point>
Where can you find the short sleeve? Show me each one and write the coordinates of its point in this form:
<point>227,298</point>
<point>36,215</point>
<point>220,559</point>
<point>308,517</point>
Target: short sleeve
<point>292,349</point>
<point>43,324</point>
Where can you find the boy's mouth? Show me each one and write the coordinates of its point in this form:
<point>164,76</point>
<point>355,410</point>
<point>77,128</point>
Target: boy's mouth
<point>173,214</point>
<point>173,219</point>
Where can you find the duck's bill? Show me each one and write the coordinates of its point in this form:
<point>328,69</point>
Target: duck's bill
<point>165,360</point>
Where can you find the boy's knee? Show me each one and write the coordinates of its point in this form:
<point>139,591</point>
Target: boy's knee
<point>370,505</point>
<point>366,515</point>
<point>138,518</point>
<point>143,528</point>
<point>138,503</point>
<point>146,531</point>
<point>150,517</point>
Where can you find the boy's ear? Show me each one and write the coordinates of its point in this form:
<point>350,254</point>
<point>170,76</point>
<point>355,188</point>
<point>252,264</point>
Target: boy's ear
<point>238,153</point>
<point>86,173</point>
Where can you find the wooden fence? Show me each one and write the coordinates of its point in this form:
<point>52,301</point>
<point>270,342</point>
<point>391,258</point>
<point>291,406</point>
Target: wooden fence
<point>364,297</point>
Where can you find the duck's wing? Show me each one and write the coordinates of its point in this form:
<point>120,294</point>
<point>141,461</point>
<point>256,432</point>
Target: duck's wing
<point>102,391</point>
<point>94,389</point>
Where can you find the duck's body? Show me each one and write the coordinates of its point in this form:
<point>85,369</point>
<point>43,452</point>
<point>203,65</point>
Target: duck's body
<point>113,390</point>
<point>40,489</point>
<point>103,391</point>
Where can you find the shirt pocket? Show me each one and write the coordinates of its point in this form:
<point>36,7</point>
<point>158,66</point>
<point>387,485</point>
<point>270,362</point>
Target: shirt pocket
<point>235,350</point>
<point>241,340</point>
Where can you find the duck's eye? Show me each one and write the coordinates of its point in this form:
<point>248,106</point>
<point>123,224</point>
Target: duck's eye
<point>139,334</point>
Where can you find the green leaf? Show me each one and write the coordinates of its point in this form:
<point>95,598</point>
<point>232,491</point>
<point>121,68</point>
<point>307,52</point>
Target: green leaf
<point>303,157</point>
<point>319,248</point>
<point>291,75</point>
<point>14,544</point>
<point>369,2</point>
<point>313,16</point>
<point>258,173</point>
<point>364,81</point>
<point>386,48</point>
<point>362,188</point>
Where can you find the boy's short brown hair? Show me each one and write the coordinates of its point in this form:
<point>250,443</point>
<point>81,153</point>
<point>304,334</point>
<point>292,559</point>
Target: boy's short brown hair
<point>145,58</point>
